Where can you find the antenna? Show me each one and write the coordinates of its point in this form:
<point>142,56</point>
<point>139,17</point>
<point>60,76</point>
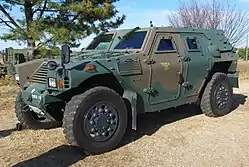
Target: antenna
<point>247,48</point>
<point>151,24</point>
<point>68,38</point>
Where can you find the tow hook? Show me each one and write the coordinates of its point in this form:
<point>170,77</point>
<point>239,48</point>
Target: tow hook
<point>37,110</point>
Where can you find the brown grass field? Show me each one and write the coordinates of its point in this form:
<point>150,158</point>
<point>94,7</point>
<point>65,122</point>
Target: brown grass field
<point>176,137</point>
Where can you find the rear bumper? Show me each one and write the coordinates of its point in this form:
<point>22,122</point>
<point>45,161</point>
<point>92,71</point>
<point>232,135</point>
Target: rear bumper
<point>234,79</point>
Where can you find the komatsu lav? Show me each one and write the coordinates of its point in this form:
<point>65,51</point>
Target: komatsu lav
<point>98,94</point>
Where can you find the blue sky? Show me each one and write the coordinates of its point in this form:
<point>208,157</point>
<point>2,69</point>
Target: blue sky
<point>138,13</point>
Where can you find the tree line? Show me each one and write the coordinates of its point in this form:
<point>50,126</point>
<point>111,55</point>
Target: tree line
<point>48,23</point>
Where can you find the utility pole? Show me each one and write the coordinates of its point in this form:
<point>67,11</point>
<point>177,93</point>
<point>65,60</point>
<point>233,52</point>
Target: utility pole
<point>247,48</point>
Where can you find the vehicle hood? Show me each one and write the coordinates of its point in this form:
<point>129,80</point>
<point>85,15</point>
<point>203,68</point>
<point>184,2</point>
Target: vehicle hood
<point>89,57</point>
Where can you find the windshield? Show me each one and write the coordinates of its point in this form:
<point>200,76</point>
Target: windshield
<point>133,41</point>
<point>101,42</point>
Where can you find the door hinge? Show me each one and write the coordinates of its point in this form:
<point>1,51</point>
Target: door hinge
<point>149,61</point>
<point>149,90</point>
<point>187,85</point>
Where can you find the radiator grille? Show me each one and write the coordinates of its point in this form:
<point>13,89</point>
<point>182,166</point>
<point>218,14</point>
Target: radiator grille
<point>40,76</point>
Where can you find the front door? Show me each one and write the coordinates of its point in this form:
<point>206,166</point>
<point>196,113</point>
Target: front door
<point>165,69</point>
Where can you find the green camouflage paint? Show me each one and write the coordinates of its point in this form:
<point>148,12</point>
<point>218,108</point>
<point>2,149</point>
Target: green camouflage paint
<point>152,79</point>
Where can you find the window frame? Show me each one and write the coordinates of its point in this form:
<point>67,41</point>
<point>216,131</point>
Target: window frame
<point>148,31</point>
<point>197,42</point>
<point>107,33</point>
<point>159,38</point>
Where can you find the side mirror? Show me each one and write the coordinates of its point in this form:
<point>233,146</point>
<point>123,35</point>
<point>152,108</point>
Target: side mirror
<point>65,57</point>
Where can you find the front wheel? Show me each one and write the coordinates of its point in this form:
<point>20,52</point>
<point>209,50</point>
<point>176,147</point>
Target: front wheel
<point>217,97</point>
<point>95,120</point>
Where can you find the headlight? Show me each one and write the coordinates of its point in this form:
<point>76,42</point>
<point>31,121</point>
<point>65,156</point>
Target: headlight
<point>52,65</point>
<point>52,82</point>
<point>17,77</point>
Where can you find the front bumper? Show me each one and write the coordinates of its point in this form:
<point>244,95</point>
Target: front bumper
<point>234,79</point>
<point>37,96</point>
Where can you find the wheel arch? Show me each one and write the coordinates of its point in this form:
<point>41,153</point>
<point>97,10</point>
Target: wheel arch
<point>110,81</point>
<point>223,67</point>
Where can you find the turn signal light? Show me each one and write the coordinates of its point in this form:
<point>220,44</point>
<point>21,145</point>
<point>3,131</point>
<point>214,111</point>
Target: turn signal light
<point>60,84</point>
<point>90,67</point>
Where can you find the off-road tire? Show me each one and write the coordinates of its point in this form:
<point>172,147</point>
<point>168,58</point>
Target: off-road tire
<point>26,118</point>
<point>207,103</point>
<point>78,107</point>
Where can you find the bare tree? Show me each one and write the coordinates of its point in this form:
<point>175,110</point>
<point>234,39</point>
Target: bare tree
<point>213,14</point>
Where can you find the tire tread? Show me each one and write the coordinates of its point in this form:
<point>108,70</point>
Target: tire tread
<point>206,101</point>
<point>70,112</point>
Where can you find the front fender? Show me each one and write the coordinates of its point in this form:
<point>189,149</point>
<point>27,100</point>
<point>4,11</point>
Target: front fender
<point>78,76</point>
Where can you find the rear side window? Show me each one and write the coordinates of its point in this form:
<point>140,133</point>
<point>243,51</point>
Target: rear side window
<point>192,44</point>
<point>165,45</point>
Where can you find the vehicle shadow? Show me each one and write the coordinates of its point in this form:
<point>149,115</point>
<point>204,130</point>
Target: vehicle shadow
<point>7,132</point>
<point>238,99</point>
<point>61,156</point>
<point>148,124</point>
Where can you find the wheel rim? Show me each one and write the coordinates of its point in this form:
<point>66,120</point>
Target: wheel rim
<point>101,122</point>
<point>221,96</point>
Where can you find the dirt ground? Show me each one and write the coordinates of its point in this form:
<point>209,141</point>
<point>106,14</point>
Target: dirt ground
<point>176,137</point>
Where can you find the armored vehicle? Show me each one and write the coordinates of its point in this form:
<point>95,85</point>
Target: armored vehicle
<point>98,94</point>
<point>10,58</point>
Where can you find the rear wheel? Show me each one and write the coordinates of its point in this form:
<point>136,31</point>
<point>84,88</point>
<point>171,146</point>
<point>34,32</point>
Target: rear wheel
<point>29,119</point>
<point>217,97</point>
<point>95,120</point>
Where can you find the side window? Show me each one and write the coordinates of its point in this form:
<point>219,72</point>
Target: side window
<point>192,44</point>
<point>134,41</point>
<point>165,45</point>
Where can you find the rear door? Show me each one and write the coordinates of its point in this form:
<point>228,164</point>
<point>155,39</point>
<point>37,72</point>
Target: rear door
<point>195,63</point>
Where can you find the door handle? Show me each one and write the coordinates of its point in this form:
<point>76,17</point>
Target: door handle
<point>181,78</point>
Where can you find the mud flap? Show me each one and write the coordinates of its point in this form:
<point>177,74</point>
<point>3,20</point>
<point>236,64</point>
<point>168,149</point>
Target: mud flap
<point>132,97</point>
<point>234,79</point>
